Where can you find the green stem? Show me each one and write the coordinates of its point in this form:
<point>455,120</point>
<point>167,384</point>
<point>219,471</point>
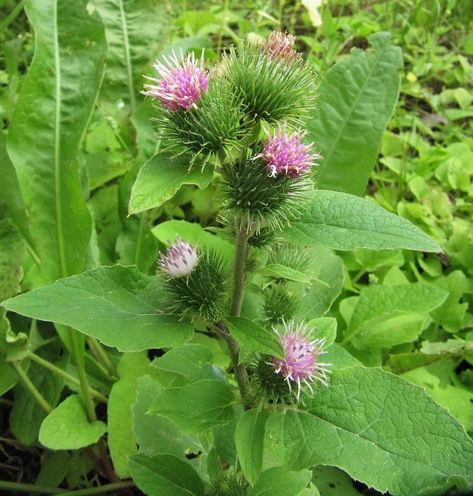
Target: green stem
<point>79,359</point>
<point>48,365</point>
<point>31,388</point>
<point>29,488</point>
<point>106,488</point>
<point>239,271</point>
<point>101,355</point>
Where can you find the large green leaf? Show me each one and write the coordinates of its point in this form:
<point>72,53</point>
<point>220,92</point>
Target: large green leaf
<point>53,109</point>
<point>135,30</point>
<point>249,438</point>
<point>165,475</point>
<point>160,178</point>
<point>196,406</point>
<point>387,315</point>
<point>277,481</point>
<point>378,428</point>
<point>117,305</point>
<point>122,396</point>
<point>67,427</point>
<point>356,100</point>
<point>346,222</point>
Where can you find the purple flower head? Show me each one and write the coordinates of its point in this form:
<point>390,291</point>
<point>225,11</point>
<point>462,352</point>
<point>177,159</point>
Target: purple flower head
<point>182,82</point>
<point>280,46</point>
<point>301,362</point>
<point>286,154</point>
<point>180,259</point>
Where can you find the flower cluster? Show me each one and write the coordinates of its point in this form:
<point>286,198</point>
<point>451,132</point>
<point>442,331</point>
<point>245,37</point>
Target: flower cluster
<point>301,361</point>
<point>180,259</point>
<point>280,45</point>
<point>182,82</point>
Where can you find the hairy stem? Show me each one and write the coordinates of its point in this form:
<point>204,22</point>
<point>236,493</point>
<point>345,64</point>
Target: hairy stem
<point>79,359</point>
<point>48,365</point>
<point>25,380</point>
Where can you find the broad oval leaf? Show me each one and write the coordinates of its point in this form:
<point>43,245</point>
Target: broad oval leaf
<point>377,427</point>
<point>67,427</point>
<point>160,178</point>
<point>165,475</point>
<point>117,305</point>
<point>53,109</point>
<point>346,222</point>
<point>356,100</point>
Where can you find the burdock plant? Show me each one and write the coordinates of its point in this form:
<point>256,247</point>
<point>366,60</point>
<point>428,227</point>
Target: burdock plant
<point>254,383</point>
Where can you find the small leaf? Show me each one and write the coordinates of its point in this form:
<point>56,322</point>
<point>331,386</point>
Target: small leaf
<point>346,222</point>
<point>161,177</point>
<point>67,427</point>
<point>254,338</point>
<point>117,305</point>
<point>249,437</point>
<point>278,481</point>
<point>165,475</point>
<point>197,406</point>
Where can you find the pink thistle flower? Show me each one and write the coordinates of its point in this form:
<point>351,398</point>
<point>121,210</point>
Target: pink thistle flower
<point>182,82</point>
<point>286,154</point>
<point>280,46</point>
<point>180,260</point>
<point>301,364</point>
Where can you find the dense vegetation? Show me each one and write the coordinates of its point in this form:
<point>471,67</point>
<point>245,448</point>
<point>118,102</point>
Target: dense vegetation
<point>104,387</point>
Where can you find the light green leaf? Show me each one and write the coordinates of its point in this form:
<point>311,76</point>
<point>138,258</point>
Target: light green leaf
<point>346,222</point>
<point>279,271</point>
<point>48,125</point>
<point>160,178</point>
<point>165,475</point>
<point>254,338</point>
<point>67,427</point>
<point>167,232</point>
<point>331,481</point>
<point>377,305</point>
<point>278,481</point>
<point>135,30</point>
<point>197,406</point>
<point>377,427</point>
<point>119,416</point>
<point>356,99</point>
<point>249,437</point>
<point>117,305</point>
<point>324,327</point>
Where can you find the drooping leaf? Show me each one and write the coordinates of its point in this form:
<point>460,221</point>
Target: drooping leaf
<point>356,100</point>
<point>135,30</point>
<point>253,337</point>
<point>160,178</point>
<point>197,406</point>
<point>122,396</point>
<point>117,305</point>
<point>377,427</point>
<point>346,222</point>
<point>249,438</point>
<point>165,475</point>
<point>67,426</point>
<point>54,105</point>
<point>278,481</point>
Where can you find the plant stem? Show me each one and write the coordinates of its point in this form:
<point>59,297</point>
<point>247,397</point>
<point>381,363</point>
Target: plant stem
<point>106,488</point>
<point>48,365</point>
<point>102,357</point>
<point>31,388</point>
<point>79,359</point>
<point>239,277</point>
<point>239,271</point>
<point>29,488</point>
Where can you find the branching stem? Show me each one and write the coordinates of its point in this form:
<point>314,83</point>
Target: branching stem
<point>25,380</point>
